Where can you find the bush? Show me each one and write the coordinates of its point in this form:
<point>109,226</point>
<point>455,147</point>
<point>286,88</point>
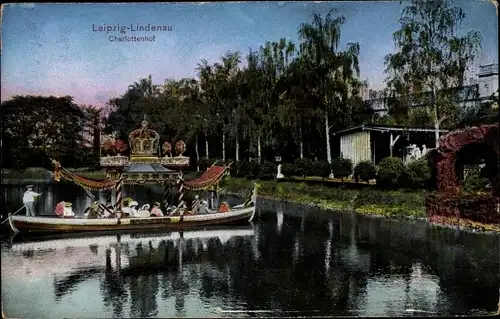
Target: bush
<point>239,169</point>
<point>475,182</point>
<point>390,172</point>
<point>287,170</point>
<point>268,171</point>
<point>252,170</point>
<point>342,167</point>
<point>365,171</point>
<point>417,174</point>
<point>303,167</point>
<point>321,168</point>
<point>206,163</point>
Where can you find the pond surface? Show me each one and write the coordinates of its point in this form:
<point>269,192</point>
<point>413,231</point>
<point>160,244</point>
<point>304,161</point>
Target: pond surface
<point>292,261</point>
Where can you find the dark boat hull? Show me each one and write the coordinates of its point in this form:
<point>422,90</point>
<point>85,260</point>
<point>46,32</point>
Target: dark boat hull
<point>65,225</point>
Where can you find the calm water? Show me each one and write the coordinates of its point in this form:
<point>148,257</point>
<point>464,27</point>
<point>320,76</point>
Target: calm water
<point>291,261</point>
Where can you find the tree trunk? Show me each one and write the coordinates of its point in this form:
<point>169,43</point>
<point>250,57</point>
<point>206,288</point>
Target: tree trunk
<point>237,149</point>
<point>206,145</point>
<point>301,142</point>
<point>328,148</point>
<point>436,116</point>
<point>197,154</point>
<point>259,154</point>
<point>224,147</point>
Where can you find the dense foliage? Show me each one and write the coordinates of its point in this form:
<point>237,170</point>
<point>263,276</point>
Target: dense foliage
<point>342,167</point>
<point>417,174</point>
<point>431,63</point>
<point>390,172</point>
<point>36,128</point>
<point>282,99</point>
<point>365,171</point>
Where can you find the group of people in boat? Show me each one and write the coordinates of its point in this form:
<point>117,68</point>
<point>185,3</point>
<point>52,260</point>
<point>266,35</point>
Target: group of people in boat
<point>129,208</point>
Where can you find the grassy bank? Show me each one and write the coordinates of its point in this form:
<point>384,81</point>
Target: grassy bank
<point>394,204</point>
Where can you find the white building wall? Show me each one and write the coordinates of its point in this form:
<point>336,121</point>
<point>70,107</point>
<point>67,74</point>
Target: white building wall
<point>488,85</point>
<point>356,146</point>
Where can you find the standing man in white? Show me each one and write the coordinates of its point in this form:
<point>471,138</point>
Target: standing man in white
<point>29,200</point>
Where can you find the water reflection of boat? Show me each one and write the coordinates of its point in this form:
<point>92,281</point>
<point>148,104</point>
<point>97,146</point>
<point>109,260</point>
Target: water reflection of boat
<point>131,268</point>
<point>64,241</point>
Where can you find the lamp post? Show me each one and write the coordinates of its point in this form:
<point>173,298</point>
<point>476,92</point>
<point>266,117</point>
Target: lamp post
<point>329,151</point>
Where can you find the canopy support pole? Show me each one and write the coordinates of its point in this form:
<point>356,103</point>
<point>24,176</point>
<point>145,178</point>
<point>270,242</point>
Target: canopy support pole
<point>118,191</point>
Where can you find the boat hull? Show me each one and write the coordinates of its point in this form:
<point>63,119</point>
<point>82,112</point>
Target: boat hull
<point>56,224</point>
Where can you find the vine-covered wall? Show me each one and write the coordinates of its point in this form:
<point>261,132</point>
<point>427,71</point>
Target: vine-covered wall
<point>449,204</point>
<point>450,144</point>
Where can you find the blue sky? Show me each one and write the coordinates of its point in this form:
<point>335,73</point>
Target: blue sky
<point>52,48</point>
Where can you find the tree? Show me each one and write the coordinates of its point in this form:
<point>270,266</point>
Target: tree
<point>208,99</point>
<point>227,94</point>
<point>432,57</point>
<point>36,128</point>
<point>333,71</point>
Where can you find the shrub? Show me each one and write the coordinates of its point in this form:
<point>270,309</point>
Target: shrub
<point>303,166</point>
<point>267,171</point>
<point>475,182</point>
<point>342,167</point>
<point>206,163</point>
<point>252,170</point>
<point>239,169</point>
<point>417,174</point>
<point>321,168</point>
<point>365,171</point>
<point>390,172</point>
<point>287,170</point>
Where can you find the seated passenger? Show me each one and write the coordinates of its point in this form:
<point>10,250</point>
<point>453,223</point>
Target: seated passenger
<point>156,211</point>
<point>224,207</point>
<point>203,207</point>
<point>93,211</point>
<point>108,212</point>
<point>68,210</point>
<point>144,211</point>
<point>195,205</point>
<point>60,209</point>
<point>127,207</point>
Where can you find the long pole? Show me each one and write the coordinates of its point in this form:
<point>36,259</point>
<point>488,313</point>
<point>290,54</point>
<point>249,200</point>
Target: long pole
<point>87,192</point>
<point>17,211</point>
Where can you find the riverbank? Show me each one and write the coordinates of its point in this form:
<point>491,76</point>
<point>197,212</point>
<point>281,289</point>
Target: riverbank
<point>394,204</point>
<point>400,204</point>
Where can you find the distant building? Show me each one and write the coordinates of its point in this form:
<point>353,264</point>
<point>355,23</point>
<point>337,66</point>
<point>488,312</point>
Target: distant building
<point>487,81</point>
<point>479,89</point>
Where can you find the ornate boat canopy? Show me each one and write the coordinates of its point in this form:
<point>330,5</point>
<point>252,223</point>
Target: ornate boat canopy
<point>140,173</point>
<point>145,164</point>
<point>208,179</point>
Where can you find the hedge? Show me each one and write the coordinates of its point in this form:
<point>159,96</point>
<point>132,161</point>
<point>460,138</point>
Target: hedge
<point>391,173</point>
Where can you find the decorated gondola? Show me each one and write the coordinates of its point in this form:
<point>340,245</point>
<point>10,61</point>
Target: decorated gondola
<point>143,167</point>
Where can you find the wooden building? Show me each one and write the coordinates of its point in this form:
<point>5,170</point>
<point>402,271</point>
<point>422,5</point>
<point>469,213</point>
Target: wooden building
<point>374,142</point>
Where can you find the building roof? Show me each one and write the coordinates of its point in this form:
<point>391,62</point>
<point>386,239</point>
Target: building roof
<point>146,168</point>
<point>385,128</point>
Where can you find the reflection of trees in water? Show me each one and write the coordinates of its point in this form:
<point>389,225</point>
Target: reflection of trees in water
<point>143,292</point>
<point>112,287</point>
<point>397,248</point>
<point>330,272</point>
<point>68,284</point>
